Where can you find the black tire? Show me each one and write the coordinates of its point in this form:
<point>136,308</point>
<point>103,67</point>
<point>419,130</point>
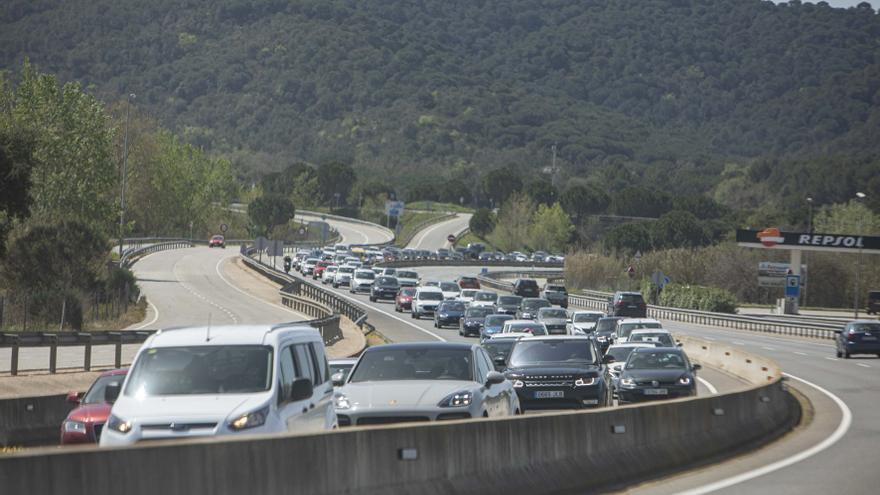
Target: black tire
<point>335,286</point>
<point>845,354</point>
<point>372,299</point>
<point>839,354</point>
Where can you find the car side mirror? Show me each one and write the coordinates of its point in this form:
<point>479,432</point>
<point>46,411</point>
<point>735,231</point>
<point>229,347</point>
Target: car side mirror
<point>338,379</point>
<point>568,320</point>
<point>697,367</point>
<point>111,392</point>
<point>74,397</point>
<point>494,378</point>
<point>301,389</point>
<point>499,361</point>
<point>607,359</point>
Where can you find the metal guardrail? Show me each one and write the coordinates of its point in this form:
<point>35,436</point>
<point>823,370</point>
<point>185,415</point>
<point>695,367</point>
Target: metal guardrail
<point>599,301</point>
<point>420,226</point>
<point>129,256</point>
<point>54,340</point>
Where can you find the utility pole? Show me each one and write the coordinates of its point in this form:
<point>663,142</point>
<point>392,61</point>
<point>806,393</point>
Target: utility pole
<point>131,97</point>
<point>856,298</point>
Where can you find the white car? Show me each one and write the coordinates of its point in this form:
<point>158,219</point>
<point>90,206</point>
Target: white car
<point>467,295</point>
<point>620,352</point>
<point>531,327</point>
<point>658,337</point>
<point>425,301</point>
<point>308,266</point>
<point>362,281</point>
<point>343,276</point>
<point>450,290</point>
<point>584,321</point>
<point>223,381</point>
<point>407,278</point>
<point>329,274</point>
<point>626,326</point>
<point>389,272</point>
<point>486,298</point>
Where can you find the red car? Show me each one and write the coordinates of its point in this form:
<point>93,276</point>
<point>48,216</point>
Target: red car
<point>217,241</point>
<point>318,271</point>
<point>468,283</point>
<point>404,298</point>
<point>84,424</point>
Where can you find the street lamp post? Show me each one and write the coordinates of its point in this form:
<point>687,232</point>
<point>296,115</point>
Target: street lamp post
<point>131,97</point>
<point>856,298</point>
<point>810,202</point>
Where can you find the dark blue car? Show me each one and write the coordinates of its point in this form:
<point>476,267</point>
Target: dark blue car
<point>449,313</point>
<point>493,324</point>
<point>859,337</point>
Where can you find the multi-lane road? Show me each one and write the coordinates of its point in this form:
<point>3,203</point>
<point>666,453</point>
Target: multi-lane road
<point>435,236</point>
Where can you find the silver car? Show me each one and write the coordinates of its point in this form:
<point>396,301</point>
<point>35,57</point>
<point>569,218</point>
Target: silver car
<point>424,381</point>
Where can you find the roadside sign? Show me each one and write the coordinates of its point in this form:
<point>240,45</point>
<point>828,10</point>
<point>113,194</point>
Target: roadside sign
<point>223,227</point>
<point>450,238</point>
<point>771,274</point>
<point>261,243</point>
<point>792,286</point>
<point>659,279</point>
<point>276,248</point>
<point>302,231</point>
<point>631,271</point>
<point>638,256</point>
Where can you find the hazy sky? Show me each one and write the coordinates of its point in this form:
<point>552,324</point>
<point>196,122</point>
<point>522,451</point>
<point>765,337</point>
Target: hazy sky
<point>843,3</point>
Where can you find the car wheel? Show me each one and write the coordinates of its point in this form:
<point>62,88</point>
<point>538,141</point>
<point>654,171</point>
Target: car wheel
<point>372,299</point>
<point>839,354</point>
<point>846,354</point>
<point>460,332</point>
<point>335,286</point>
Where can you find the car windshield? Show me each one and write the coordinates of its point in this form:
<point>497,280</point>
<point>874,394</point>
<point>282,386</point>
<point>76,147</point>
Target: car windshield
<point>496,320</point>
<point>387,281</point>
<point>650,360</point>
<point>606,324</point>
<point>365,275</point>
<point>866,327</point>
<point>478,312</point>
<point>469,293</point>
<point>233,369</point>
<point>509,300</point>
<point>529,353</point>
<point>452,306</point>
<point>407,275</point>
<point>432,283</point>
<point>414,364</point>
<point>664,339</point>
<point>553,313</point>
<point>486,296</point>
<point>619,353</point>
<point>95,395</point>
<point>624,329</point>
<point>448,287</point>
<point>532,328</point>
<point>389,271</point>
<point>586,317</point>
<point>407,291</point>
<point>431,296</point>
<point>555,288</point>
<point>498,347</point>
<point>535,304</point>
<point>331,269</point>
<point>346,269</point>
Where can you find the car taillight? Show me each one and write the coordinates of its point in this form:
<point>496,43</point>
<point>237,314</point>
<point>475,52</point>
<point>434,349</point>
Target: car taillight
<point>851,335</point>
<point>620,303</point>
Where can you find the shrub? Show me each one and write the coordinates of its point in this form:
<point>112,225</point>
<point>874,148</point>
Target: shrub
<point>698,297</point>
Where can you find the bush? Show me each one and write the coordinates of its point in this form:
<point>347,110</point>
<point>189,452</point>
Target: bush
<point>698,297</point>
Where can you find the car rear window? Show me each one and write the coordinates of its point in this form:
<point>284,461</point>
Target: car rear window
<point>407,275</point>
<point>528,283</point>
<point>631,298</point>
<point>555,288</point>
<point>867,327</point>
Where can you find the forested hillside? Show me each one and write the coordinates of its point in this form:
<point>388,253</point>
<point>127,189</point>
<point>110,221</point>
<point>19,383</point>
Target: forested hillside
<point>682,95</point>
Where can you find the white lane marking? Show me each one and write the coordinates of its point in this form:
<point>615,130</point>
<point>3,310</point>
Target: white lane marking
<point>425,232</point>
<point>839,432</point>
<point>200,296</point>
<point>709,339</point>
<point>766,348</point>
<point>432,334</point>
<point>712,389</point>
<point>831,358</point>
<point>738,343</point>
<point>801,353</point>
<point>155,316</point>
<point>217,269</point>
<point>863,365</point>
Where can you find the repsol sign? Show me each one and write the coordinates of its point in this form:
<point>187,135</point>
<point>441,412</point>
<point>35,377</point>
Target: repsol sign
<point>772,238</point>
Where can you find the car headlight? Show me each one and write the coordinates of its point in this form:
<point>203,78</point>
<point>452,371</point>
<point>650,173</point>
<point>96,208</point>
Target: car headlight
<point>601,338</point>
<point>71,426</point>
<point>518,384</point>
<point>342,402</point>
<point>252,419</point>
<point>585,382</point>
<point>458,399</point>
<point>444,315</point>
<point>117,424</point>
<point>627,382</point>
<point>685,380</point>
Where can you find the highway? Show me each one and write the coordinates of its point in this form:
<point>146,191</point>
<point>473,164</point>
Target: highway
<point>352,233</point>
<point>434,236</point>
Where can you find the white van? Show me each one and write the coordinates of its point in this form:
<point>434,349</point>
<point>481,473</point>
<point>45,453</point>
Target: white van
<point>231,380</point>
<point>426,300</point>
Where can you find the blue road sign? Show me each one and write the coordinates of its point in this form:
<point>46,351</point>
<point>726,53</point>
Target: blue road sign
<point>792,285</point>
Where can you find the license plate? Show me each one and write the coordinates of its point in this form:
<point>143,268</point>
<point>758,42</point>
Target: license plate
<point>549,394</point>
<point>656,391</point>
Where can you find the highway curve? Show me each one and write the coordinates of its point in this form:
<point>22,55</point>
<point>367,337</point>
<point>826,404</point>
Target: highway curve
<point>434,236</point>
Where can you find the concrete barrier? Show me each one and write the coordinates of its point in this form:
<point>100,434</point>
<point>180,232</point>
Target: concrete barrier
<point>558,452</point>
<point>29,421</point>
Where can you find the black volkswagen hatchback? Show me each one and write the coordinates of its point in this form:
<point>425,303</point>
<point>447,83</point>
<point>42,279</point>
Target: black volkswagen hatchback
<point>657,373</point>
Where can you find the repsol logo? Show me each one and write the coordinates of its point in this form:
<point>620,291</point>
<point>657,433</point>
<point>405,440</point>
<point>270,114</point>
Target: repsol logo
<point>831,240</point>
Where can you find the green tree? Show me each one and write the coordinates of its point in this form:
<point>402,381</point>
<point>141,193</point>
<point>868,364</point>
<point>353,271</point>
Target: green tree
<point>269,211</point>
<point>628,238</point>
<point>849,218</point>
<point>640,202</point>
<point>678,229</point>
<point>16,166</point>
<point>335,181</point>
<point>305,189</point>
<point>74,174</point>
<point>514,223</point>
<point>500,183</point>
<point>551,229</point>
<point>482,222</point>
<point>580,200</point>
<point>542,191</point>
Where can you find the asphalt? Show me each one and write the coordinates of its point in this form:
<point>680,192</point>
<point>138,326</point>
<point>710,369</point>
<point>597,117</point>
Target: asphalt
<point>435,236</point>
